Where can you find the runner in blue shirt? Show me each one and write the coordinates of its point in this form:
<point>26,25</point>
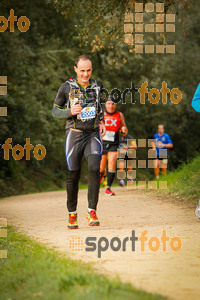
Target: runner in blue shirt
<point>161,145</point>
<point>196,99</point>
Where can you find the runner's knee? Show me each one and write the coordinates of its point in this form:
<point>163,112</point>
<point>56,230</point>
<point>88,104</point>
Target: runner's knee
<point>94,162</point>
<point>74,176</point>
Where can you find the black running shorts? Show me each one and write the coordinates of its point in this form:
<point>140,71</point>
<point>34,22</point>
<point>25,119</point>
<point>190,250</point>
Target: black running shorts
<point>110,148</point>
<point>79,143</point>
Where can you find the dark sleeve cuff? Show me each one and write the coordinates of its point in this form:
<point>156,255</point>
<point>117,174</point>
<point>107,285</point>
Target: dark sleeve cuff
<point>60,113</point>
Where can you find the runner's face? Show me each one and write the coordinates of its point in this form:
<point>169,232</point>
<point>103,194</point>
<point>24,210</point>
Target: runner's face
<point>110,107</point>
<point>83,71</point>
<point>161,130</point>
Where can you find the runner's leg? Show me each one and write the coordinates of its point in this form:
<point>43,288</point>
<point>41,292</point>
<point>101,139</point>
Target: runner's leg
<point>92,152</point>
<point>112,159</point>
<point>121,164</point>
<point>103,164</point>
<point>164,166</point>
<point>121,167</point>
<point>156,167</point>
<point>73,152</point>
<point>94,180</point>
<point>72,189</point>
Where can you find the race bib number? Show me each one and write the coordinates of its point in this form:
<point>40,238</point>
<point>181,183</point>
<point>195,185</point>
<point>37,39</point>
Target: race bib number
<point>87,113</point>
<point>109,136</point>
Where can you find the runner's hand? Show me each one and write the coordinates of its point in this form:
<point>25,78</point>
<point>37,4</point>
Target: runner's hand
<point>76,109</point>
<point>102,129</point>
<point>124,130</point>
<point>160,144</point>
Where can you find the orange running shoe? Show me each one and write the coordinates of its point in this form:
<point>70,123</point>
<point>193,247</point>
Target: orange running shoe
<point>72,221</point>
<point>92,218</point>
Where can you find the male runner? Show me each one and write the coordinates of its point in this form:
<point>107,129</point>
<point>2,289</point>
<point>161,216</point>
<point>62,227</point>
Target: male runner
<point>123,145</point>
<point>78,102</point>
<point>161,145</point>
<point>114,121</point>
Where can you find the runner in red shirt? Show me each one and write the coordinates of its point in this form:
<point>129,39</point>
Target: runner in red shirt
<point>115,123</point>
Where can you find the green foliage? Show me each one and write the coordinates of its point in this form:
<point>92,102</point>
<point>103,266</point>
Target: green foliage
<point>39,61</point>
<point>35,63</point>
<point>184,181</point>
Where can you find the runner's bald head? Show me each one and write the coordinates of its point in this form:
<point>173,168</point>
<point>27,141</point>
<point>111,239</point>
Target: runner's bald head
<point>82,57</point>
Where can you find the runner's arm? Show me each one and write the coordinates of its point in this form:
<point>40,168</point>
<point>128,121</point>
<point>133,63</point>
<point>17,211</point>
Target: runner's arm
<point>168,146</point>
<point>123,125</point>
<point>169,143</point>
<point>59,111</point>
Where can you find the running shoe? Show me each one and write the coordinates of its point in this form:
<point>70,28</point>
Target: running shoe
<point>72,221</point>
<point>121,182</point>
<point>198,210</point>
<point>130,181</point>
<point>92,218</point>
<point>109,192</point>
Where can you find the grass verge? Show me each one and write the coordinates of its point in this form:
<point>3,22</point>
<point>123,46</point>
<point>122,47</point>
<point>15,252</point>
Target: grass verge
<point>32,271</point>
<point>184,181</point>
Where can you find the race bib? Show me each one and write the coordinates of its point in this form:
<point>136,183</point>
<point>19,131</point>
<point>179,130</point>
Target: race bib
<point>109,136</point>
<point>87,113</point>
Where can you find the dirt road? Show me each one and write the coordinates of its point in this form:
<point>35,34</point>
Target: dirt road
<point>174,274</point>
